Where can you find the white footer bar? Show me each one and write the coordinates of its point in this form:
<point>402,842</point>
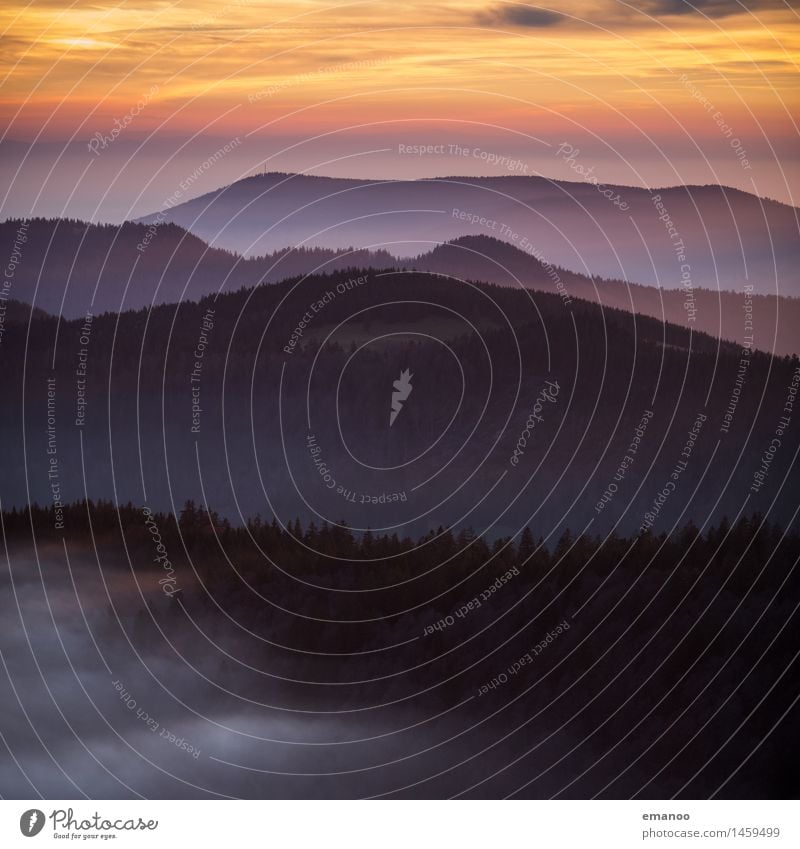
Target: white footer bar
<point>401,824</point>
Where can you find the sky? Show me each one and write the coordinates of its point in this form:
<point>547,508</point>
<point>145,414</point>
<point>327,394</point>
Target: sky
<point>106,105</point>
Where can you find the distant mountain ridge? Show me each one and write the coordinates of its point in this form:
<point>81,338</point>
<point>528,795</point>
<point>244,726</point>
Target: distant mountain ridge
<point>703,236</point>
<point>83,266</point>
<point>74,266</point>
<point>775,323</point>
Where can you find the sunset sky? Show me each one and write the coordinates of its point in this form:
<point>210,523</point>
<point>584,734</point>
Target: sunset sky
<point>651,94</point>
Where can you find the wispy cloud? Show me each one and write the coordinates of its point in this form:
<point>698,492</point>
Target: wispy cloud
<point>520,16</point>
<point>715,8</point>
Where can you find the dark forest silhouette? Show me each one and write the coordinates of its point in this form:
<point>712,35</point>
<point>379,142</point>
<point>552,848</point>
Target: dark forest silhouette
<point>653,614</point>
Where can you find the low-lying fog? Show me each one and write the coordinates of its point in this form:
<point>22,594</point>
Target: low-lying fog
<point>94,706</point>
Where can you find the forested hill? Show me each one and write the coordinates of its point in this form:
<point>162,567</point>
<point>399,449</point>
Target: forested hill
<point>72,267</point>
<point>276,400</point>
<point>774,320</point>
